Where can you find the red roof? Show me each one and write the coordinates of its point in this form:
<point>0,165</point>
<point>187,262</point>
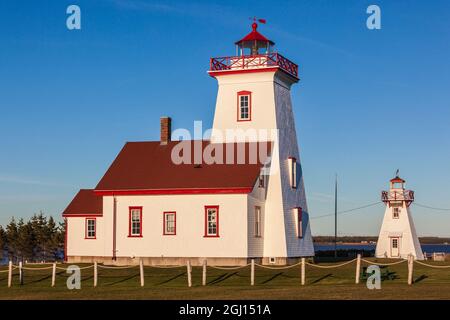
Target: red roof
<point>254,36</point>
<point>398,179</point>
<point>149,166</point>
<point>85,203</point>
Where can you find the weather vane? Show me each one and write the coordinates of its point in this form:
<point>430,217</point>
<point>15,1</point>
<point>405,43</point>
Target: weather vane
<point>257,19</point>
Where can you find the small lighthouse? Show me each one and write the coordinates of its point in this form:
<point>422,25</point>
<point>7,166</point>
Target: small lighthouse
<point>398,237</point>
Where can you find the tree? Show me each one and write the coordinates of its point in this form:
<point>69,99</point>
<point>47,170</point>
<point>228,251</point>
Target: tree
<point>11,239</point>
<point>3,242</point>
<point>25,242</point>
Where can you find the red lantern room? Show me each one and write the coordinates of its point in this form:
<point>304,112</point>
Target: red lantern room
<point>254,53</point>
<point>397,195</point>
<point>254,42</point>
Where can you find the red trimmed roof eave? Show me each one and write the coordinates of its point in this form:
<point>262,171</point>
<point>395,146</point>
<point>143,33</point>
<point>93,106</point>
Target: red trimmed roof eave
<point>175,191</point>
<point>237,71</point>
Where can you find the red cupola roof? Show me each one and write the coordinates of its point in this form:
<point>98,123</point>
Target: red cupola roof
<point>254,36</point>
<point>397,179</point>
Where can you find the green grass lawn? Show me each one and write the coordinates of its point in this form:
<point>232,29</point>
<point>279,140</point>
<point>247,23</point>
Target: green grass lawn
<point>229,284</point>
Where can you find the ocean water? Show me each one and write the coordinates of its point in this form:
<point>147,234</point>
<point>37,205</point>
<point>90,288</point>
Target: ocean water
<point>428,248</point>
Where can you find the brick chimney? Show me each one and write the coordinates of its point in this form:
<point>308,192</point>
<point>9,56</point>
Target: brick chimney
<point>165,129</point>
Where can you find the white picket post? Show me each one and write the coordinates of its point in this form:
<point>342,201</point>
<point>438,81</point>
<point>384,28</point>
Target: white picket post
<point>95,273</point>
<point>20,273</point>
<point>410,269</point>
<point>54,274</point>
<point>188,267</point>
<point>358,268</point>
<point>204,273</point>
<point>303,276</point>
<point>10,270</point>
<point>141,271</point>
<point>252,275</point>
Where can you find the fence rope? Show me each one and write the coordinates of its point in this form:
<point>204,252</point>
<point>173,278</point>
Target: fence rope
<point>330,266</point>
<point>278,268</point>
<point>116,267</point>
<point>43,268</point>
<point>229,268</point>
<point>431,266</point>
<point>166,267</point>
<point>83,268</point>
<point>383,264</point>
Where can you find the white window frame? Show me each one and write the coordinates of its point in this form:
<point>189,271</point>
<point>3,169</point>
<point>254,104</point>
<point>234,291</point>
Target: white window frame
<point>258,229</point>
<point>168,214</point>
<point>293,172</point>
<point>396,212</point>
<point>94,231</point>
<point>211,225</point>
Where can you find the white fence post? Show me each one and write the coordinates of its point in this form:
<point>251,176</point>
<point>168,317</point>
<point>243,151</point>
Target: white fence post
<point>54,274</point>
<point>10,270</point>
<point>358,268</point>
<point>141,271</point>
<point>204,273</point>
<point>410,269</point>
<point>252,275</point>
<point>20,273</point>
<point>303,272</point>
<point>95,273</point>
<point>188,267</point>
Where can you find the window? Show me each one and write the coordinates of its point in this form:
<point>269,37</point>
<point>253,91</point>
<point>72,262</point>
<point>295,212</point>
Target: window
<point>298,217</point>
<point>211,221</point>
<point>90,229</point>
<point>261,181</point>
<point>395,243</point>
<point>257,222</point>
<point>244,106</point>
<point>396,213</point>
<point>293,172</point>
<point>170,227</point>
<point>135,222</point>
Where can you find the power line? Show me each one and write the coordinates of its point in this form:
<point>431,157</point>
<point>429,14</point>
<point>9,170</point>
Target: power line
<point>347,211</point>
<point>428,207</point>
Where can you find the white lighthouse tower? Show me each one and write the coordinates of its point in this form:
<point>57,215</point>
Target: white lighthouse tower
<point>398,237</point>
<point>254,96</point>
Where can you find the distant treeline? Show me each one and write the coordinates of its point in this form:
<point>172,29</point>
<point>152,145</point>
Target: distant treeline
<point>38,239</point>
<point>358,239</point>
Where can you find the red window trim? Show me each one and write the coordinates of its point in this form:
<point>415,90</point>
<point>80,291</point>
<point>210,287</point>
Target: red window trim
<point>244,93</point>
<point>86,229</point>
<point>206,222</point>
<point>164,223</point>
<point>129,223</point>
<point>299,222</point>
<point>260,229</point>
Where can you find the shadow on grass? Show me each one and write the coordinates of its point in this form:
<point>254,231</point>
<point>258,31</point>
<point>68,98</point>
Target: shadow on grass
<point>122,280</point>
<point>422,277</point>
<point>272,277</point>
<point>222,277</point>
<point>322,278</point>
<point>171,279</point>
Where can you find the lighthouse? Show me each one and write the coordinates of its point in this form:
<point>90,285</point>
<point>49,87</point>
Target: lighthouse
<point>398,237</point>
<point>254,99</point>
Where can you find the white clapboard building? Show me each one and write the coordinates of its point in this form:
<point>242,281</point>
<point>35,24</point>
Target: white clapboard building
<point>398,237</point>
<point>164,204</point>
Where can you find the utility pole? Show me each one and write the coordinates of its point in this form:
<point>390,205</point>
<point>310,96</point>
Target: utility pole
<point>335,218</point>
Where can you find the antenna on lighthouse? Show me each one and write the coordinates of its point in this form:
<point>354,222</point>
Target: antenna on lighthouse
<point>397,172</point>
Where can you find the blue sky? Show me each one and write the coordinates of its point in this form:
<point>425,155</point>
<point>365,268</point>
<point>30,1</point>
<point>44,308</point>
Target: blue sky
<point>369,102</point>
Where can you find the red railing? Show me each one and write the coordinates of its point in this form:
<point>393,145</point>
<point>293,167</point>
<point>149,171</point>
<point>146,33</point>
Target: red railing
<point>404,195</point>
<point>254,62</point>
